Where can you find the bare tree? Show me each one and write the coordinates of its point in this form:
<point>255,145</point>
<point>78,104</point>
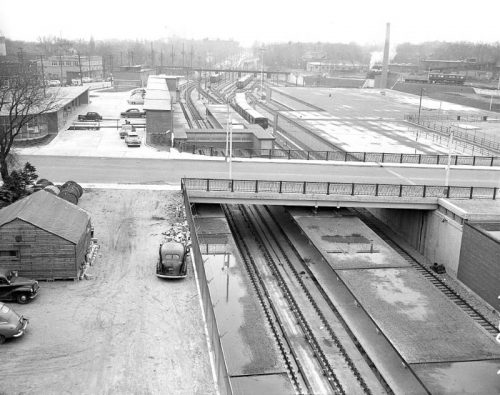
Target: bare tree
<point>23,100</point>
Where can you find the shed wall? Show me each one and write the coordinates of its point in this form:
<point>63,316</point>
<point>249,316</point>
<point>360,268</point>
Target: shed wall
<point>40,254</point>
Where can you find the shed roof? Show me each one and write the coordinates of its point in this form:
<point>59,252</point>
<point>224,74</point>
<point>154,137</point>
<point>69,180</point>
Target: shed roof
<point>48,212</point>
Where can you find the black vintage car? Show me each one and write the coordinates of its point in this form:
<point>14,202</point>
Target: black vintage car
<point>18,289</point>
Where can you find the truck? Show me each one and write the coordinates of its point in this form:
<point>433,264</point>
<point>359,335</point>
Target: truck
<point>15,288</point>
<point>90,116</point>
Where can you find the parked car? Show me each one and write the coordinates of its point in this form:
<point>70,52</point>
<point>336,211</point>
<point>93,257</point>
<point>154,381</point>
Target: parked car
<point>133,113</point>
<point>132,139</point>
<point>18,289</point>
<point>54,83</point>
<point>172,261</point>
<point>90,116</point>
<point>136,99</point>
<point>11,323</point>
<point>126,129</point>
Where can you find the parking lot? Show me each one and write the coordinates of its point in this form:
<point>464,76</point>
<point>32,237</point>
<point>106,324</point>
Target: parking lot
<point>122,331</point>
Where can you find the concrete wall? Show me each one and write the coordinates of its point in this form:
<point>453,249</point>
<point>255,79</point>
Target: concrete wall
<point>158,122</point>
<point>431,233</point>
<point>480,264</point>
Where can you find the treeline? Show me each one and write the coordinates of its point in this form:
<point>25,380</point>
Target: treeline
<point>173,51</point>
<point>481,52</point>
<point>296,55</point>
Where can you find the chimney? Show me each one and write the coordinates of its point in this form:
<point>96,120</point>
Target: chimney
<point>385,65</point>
<point>3,50</point>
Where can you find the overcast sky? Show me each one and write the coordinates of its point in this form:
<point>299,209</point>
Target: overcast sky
<point>362,21</point>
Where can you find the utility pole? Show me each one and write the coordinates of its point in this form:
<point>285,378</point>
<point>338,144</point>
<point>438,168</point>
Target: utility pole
<point>182,54</point>
<point>262,71</point>
<point>172,53</point>
<point>80,64</point>
<point>61,67</point>
<point>152,56</point>
<point>89,66</point>
<point>43,74</point>
<point>161,61</point>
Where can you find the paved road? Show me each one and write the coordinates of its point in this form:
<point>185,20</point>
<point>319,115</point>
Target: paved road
<point>161,171</point>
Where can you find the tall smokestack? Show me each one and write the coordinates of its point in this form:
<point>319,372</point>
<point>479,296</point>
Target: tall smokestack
<point>385,65</point>
<point>3,51</point>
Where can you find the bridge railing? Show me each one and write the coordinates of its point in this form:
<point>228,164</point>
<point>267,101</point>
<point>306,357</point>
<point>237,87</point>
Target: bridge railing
<point>338,188</point>
<point>339,156</point>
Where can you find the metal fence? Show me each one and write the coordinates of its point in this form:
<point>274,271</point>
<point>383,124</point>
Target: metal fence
<point>338,188</point>
<point>221,372</point>
<point>339,156</point>
<point>479,139</point>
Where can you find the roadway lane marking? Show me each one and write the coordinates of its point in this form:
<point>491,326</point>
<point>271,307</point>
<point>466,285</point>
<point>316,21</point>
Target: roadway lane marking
<point>397,175</point>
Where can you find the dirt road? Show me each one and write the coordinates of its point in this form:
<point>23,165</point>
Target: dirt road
<point>123,332</point>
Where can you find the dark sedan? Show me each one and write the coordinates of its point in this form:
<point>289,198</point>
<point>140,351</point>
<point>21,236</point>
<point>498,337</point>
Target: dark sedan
<point>133,113</point>
<point>18,289</point>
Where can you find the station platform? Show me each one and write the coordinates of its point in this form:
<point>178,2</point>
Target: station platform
<point>443,348</point>
<point>249,348</point>
<point>346,242</point>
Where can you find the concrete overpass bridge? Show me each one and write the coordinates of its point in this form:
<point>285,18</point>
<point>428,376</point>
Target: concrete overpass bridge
<point>328,194</point>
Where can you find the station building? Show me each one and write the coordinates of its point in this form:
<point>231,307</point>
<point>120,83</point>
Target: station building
<point>67,99</point>
<point>130,77</point>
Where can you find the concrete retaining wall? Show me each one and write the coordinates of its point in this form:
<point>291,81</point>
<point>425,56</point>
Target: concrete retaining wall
<point>431,233</point>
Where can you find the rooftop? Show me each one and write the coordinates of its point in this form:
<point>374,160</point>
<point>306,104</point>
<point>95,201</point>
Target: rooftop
<point>49,212</point>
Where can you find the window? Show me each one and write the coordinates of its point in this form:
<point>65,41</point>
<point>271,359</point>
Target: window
<point>9,254</point>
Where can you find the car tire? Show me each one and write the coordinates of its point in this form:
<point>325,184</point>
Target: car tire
<point>2,339</point>
<point>22,298</point>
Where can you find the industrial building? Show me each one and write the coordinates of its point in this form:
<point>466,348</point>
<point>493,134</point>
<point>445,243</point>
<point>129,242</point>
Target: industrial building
<point>66,68</point>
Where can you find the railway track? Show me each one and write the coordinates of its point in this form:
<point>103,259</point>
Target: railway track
<point>195,118</point>
<point>434,278</point>
<point>315,319</point>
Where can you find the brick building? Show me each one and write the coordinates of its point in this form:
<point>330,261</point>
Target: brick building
<point>66,68</point>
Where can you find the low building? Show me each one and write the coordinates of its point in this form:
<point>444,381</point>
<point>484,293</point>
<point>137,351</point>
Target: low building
<point>67,99</point>
<point>67,68</point>
<point>158,107</point>
<point>332,67</point>
<point>130,77</point>
<point>44,237</point>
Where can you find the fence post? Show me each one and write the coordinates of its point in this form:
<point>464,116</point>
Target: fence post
<point>456,159</point>
<point>400,190</point>
<point>400,158</point>
<point>437,159</point>
<point>474,160</point>
<point>288,154</point>
<point>495,193</point>
<point>232,185</point>
<point>425,190</point>
<point>364,156</point>
<point>211,151</point>
<point>308,152</point>
<point>419,158</point>
<point>281,186</point>
<point>208,185</point>
<point>471,192</point>
<point>376,189</point>
<point>304,188</point>
<point>383,157</point>
<point>328,188</point>
<point>448,192</point>
<point>256,186</point>
<point>491,161</point>
<point>352,189</point>
<point>345,156</point>
<point>327,155</point>
<point>270,153</point>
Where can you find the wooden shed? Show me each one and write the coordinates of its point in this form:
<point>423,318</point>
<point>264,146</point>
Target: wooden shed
<point>44,237</point>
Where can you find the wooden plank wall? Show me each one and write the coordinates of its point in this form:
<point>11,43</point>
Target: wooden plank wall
<point>43,255</point>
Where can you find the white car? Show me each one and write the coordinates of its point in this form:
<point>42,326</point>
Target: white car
<point>132,139</point>
<point>136,99</point>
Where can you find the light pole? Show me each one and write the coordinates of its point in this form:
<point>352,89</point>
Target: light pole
<point>498,89</point>
<point>450,142</point>
<point>262,70</point>
<point>420,105</point>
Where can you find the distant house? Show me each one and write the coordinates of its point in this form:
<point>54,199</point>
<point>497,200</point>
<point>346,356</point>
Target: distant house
<point>44,237</point>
